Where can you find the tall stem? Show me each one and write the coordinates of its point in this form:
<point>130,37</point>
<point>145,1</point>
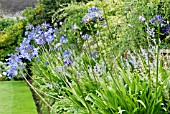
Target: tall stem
<point>157,60</point>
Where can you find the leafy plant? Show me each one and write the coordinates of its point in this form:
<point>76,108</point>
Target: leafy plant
<point>5,23</point>
<point>11,37</point>
<point>45,9</point>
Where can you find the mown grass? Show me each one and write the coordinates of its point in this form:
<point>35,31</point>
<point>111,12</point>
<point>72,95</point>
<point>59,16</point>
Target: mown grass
<point>16,98</point>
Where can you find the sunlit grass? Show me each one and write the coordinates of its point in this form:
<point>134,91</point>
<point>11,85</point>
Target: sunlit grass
<point>16,98</point>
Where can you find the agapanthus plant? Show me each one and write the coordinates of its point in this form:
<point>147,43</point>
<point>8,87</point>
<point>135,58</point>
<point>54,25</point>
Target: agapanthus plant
<point>41,34</point>
<point>157,21</point>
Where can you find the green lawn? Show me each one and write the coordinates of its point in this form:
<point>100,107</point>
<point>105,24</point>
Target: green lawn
<point>16,98</point>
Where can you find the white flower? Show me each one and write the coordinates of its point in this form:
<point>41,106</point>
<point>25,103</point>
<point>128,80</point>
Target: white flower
<point>4,73</point>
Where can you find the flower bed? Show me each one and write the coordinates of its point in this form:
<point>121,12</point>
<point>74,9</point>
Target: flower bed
<point>104,57</point>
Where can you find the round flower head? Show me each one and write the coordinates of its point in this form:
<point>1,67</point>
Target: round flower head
<point>158,19</point>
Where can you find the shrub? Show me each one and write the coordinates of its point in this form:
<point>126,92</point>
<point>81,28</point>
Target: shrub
<point>11,37</point>
<point>5,23</point>
<point>45,9</point>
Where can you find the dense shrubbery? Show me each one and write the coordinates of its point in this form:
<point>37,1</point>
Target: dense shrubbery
<point>5,23</point>
<point>45,9</point>
<point>11,37</point>
<point>103,58</point>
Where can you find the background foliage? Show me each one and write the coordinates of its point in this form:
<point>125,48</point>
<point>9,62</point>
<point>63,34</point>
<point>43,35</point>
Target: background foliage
<point>11,37</point>
<point>45,9</point>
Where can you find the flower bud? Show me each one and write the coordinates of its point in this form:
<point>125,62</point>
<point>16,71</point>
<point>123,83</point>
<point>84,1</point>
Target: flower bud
<point>141,18</point>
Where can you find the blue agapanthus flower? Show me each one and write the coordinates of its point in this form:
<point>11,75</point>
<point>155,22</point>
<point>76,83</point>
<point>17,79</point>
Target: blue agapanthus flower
<point>49,38</point>
<point>166,29</point>
<point>30,27</point>
<point>104,25</point>
<point>11,72</point>
<point>67,53</point>
<point>46,63</point>
<point>40,40</point>
<point>141,18</point>
<point>93,15</point>
<point>45,26</point>
<point>15,60</point>
<point>63,39</point>
<point>41,34</point>
<point>86,36</point>
<point>158,19</point>
<point>68,61</point>
<point>28,51</point>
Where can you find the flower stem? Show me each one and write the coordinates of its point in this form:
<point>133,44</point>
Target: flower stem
<point>157,60</point>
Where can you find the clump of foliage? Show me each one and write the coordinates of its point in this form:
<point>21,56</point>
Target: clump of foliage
<point>45,9</point>
<point>5,23</point>
<point>11,37</point>
<point>147,9</point>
